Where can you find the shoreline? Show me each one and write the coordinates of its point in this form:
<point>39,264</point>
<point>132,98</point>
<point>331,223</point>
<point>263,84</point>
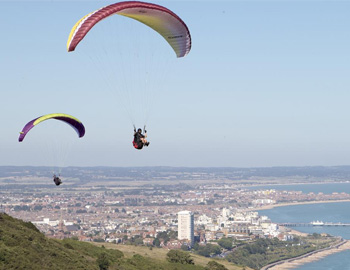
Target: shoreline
<point>271,206</point>
<point>300,183</point>
<point>308,257</point>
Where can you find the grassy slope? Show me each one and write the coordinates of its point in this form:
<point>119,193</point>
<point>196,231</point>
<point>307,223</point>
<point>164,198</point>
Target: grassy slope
<point>160,254</point>
<point>22,246</point>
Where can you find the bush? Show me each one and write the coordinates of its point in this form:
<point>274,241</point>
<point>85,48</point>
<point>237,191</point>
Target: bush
<point>178,256</point>
<point>213,265</point>
<point>103,262</point>
<point>225,243</point>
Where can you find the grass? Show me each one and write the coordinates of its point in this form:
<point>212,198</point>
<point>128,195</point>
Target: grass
<point>159,254</point>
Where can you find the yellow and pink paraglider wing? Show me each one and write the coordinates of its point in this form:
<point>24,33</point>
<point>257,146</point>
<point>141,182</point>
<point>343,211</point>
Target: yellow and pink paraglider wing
<point>159,18</point>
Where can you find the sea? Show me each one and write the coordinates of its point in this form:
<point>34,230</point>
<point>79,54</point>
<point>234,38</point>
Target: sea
<point>326,212</point>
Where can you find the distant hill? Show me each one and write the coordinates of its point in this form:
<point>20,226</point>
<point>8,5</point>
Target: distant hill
<point>23,247</point>
<point>180,173</point>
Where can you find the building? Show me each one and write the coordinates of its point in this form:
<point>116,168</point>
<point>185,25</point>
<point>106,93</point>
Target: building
<point>186,226</point>
<point>226,212</point>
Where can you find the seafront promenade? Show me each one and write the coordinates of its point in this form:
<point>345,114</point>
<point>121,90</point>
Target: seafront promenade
<point>309,257</point>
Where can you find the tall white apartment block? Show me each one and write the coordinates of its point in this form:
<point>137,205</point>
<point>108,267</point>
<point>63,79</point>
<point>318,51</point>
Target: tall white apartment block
<point>226,212</point>
<point>186,226</point>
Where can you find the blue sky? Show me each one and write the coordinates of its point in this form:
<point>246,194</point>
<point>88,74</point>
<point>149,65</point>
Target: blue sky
<point>265,84</point>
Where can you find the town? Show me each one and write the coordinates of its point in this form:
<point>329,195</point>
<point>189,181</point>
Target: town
<point>104,206</point>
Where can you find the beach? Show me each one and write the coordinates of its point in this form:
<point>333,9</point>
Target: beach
<point>270,206</point>
<point>309,257</point>
<point>298,233</point>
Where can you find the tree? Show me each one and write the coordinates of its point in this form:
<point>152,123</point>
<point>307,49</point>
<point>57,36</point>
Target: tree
<point>184,247</point>
<point>156,242</point>
<point>172,234</point>
<point>225,243</point>
<point>103,262</point>
<point>213,265</point>
<point>208,249</point>
<point>178,256</point>
<point>138,241</point>
<point>203,251</point>
<point>99,240</point>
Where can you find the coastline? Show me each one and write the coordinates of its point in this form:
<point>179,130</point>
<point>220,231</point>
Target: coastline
<point>295,232</point>
<point>309,257</point>
<point>271,206</point>
<point>299,183</point>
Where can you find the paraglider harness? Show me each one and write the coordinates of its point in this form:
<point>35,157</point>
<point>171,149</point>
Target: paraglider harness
<point>137,143</point>
<point>57,180</point>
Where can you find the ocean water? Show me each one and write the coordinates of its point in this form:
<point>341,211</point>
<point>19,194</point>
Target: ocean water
<point>326,212</point>
<point>337,261</point>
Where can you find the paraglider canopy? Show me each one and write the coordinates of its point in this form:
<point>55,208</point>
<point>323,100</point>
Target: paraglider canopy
<point>71,120</point>
<point>162,20</point>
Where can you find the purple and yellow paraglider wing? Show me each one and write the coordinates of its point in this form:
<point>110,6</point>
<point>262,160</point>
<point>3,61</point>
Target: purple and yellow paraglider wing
<point>162,20</point>
<point>71,120</point>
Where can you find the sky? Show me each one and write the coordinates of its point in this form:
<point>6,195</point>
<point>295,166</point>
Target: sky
<point>266,84</point>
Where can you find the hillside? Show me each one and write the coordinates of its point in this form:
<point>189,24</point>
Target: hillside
<point>160,254</point>
<point>22,246</point>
